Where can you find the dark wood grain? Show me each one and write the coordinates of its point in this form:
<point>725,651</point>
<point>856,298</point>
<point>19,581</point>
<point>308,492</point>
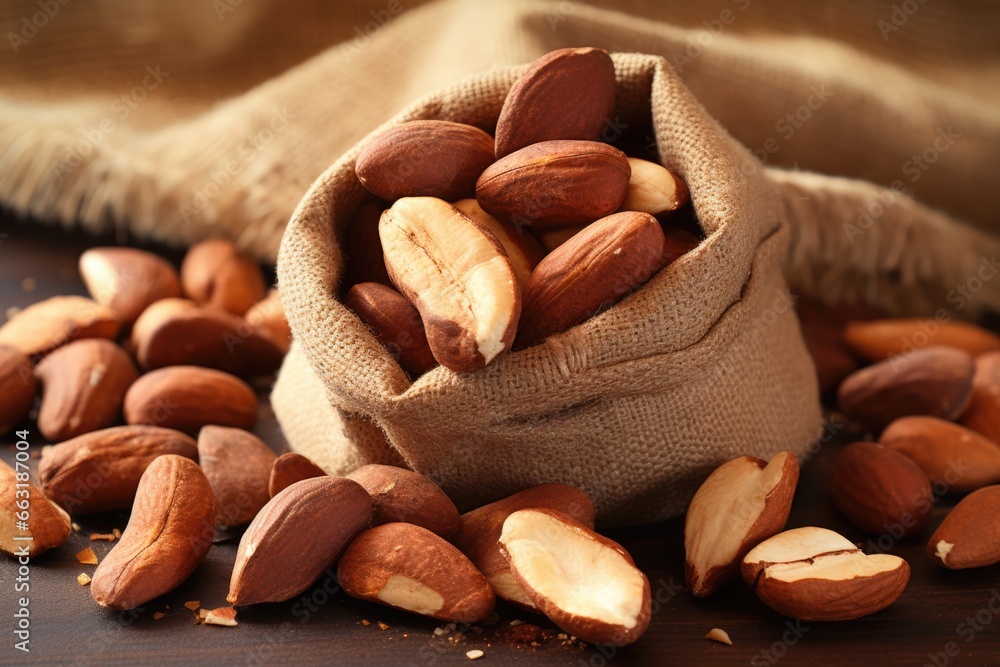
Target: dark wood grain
<point>68,628</point>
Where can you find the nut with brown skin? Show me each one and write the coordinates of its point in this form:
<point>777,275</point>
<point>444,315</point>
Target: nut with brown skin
<point>297,536</point>
<point>216,273</point>
<point>100,471</point>
<point>289,468</point>
<point>743,502</point>
<point>168,535</point>
<point>361,246</point>
<point>175,332</point>
<point>653,189</point>
<point>395,322</point>
<point>189,397</point>
<point>934,381</point>
<point>83,387</point>
<point>595,269</point>
<point>814,574</point>
<point>521,247</point>
<point>18,386</point>
<point>565,94</point>
<point>983,412</point>
<point>952,457</point>
<point>267,318</point>
<point>48,524</point>
<point>480,531</point>
<point>425,158</point>
<point>677,242</point>
<point>823,332</point>
<point>128,279</point>
<point>555,183</point>
<point>407,496</point>
<point>46,325</point>
<point>237,465</point>
<point>876,340</point>
<point>970,535</point>
<point>457,275</point>
<point>409,567</point>
<point>880,490</point>
<point>556,561</point>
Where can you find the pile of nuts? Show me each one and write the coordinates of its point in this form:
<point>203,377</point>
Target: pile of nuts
<point>562,226</point>
<point>188,469</point>
<point>443,278</point>
<point>924,376</point>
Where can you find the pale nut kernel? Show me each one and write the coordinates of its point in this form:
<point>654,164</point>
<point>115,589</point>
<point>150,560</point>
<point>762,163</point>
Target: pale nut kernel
<point>521,247</point>
<point>815,574</point>
<point>585,583</point>
<point>743,502</point>
<point>457,275</point>
<point>409,567</point>
<point>653,189</point>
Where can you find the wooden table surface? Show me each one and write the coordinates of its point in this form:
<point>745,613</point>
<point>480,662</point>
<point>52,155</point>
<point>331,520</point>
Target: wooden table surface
<point>943,618</point>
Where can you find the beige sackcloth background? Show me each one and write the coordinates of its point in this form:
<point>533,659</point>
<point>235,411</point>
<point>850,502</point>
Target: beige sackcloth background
<point>183,121</point>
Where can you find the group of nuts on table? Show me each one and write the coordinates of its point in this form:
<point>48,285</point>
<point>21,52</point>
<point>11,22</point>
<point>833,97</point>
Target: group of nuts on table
<point>560,228</point>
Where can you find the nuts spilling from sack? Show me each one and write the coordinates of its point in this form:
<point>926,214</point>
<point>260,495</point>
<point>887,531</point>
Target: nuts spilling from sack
<point>445,278</point>
<point>476,245</point>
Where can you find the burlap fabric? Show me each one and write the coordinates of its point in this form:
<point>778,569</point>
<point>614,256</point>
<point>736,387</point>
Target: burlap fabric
<point>180,122</point>
<point>703,363</point>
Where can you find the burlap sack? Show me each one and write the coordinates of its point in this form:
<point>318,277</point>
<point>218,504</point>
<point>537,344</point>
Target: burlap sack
<point>703,363</point>
<point>247,103</point>
<point>637,405</point>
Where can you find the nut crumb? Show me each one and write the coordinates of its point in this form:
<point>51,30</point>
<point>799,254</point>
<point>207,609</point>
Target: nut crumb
<point>117,533</point>
<point>83,579</point>
<point>94,537</point>
<point>719,635</point>
<point>222,616</point>
<point>158,615</point>
<point>516,622</point>
<point>29,284</point>
<point>438,632</point>
<point>192,605</point>
<point>365,622</point>
<point>474,654</point>
<point>87,556</point>
<point>75,526</point>
<point>383,626</point>
<point>527,634</point>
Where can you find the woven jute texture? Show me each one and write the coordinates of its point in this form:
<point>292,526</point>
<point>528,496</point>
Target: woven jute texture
<point>852,146</point>
<point>703,363</point>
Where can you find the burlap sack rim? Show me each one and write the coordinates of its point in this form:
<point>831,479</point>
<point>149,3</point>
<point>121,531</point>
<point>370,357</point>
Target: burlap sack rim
<point>395,386</point>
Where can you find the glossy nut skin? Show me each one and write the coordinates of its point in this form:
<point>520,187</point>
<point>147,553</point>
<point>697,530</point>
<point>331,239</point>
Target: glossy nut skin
<point>555,183</point>
<point>595,269</point>
<point>425,158</point>
<point>565,94</point>
<point>395,322</point>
